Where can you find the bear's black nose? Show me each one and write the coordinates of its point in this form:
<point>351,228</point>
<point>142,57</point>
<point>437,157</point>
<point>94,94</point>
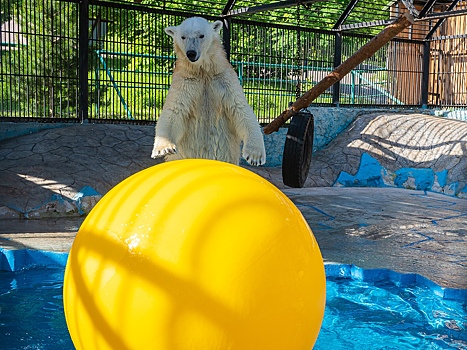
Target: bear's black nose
<point>191,54</point>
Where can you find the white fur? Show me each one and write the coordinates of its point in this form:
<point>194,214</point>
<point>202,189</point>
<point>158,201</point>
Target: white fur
<point>206,114</point>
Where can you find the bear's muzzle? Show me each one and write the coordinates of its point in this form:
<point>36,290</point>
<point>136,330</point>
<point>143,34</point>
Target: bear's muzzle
<point>192,55</point>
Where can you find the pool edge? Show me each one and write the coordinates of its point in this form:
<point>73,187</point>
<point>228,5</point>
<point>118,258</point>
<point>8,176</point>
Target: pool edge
<point>19,259</point>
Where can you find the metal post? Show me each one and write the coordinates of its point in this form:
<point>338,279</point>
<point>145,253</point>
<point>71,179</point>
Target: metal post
<point>440,21</point>
<point>226,36</point>
<point>240,73</point>
<point>337,61</point>
<point>83,37</point>
<point>425,73</point>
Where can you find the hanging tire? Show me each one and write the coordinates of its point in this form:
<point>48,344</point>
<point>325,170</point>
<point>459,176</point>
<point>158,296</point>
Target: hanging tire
<point>298,149</point>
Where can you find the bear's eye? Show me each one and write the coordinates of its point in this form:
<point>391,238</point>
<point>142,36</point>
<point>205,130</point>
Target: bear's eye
<point>201,36</point>
<point>183,38</point>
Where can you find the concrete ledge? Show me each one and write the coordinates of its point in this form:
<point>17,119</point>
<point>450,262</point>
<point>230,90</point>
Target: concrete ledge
<point>9,130</point>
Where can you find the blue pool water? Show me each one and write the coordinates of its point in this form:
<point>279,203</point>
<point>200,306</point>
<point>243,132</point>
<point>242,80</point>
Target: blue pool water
<point>359,315</point>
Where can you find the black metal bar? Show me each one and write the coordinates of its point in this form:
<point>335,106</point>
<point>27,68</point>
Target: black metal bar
<point>147,9</point>
<point>430,16</point>
<point>425,73</point>
<point>228,7</point>
<point>448,37</point>
<point>428,6</point>
<point>384,22</point>
<point>269,7</point>
<point>443,15</point>
<point>438,24</point>
<point>226,36</point>
<point>83,35</point>
<point>345,14</point>
<point>336,89</point>
<point>248,22</point>
<point>409,5</point>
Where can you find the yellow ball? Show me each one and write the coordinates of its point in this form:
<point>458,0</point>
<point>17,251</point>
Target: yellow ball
<point>194,254</point>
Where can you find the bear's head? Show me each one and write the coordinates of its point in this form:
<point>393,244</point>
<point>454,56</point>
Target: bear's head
<point>194,36</point>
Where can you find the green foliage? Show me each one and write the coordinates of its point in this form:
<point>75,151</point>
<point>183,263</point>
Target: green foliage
<point>130,64</point>
<point>40,73</point>
<point>8,9</point>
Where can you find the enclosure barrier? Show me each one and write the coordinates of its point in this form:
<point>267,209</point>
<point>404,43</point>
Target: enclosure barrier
<point>71,60</point>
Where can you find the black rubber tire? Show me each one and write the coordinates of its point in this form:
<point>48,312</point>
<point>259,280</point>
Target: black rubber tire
<point>298,150</point>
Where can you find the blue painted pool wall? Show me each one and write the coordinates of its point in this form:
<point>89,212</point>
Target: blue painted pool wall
<point>400,279</point>
<point>16,260</point>
<point>371,173</point>
<point>453,114</point>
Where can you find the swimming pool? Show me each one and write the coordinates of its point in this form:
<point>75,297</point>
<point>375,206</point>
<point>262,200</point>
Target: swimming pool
<point>384,315</point>
<point>365,309</point>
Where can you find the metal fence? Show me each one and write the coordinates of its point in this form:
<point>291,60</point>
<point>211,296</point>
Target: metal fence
<point>112,61</point>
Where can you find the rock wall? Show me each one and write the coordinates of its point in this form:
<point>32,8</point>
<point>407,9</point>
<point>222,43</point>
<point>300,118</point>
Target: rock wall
<point>401,150</point>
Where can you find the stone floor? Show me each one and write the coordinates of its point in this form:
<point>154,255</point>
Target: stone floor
<point>56,176</point>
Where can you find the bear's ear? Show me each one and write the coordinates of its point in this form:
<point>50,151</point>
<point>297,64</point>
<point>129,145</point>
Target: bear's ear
<point>217,26</point>
<point>171,31</point>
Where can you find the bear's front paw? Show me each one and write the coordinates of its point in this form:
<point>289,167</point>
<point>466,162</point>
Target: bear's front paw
<point>163,147</point>
<point>254,156</point>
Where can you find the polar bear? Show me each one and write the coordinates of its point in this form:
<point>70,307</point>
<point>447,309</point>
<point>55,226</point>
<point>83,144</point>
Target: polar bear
<point>206,114</point>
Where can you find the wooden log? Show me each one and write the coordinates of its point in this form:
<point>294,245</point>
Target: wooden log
<point>366,51</point>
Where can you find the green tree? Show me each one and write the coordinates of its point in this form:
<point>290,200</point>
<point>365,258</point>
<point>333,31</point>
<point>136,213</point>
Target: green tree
<point>47,65</point>
<point>8,46</point>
